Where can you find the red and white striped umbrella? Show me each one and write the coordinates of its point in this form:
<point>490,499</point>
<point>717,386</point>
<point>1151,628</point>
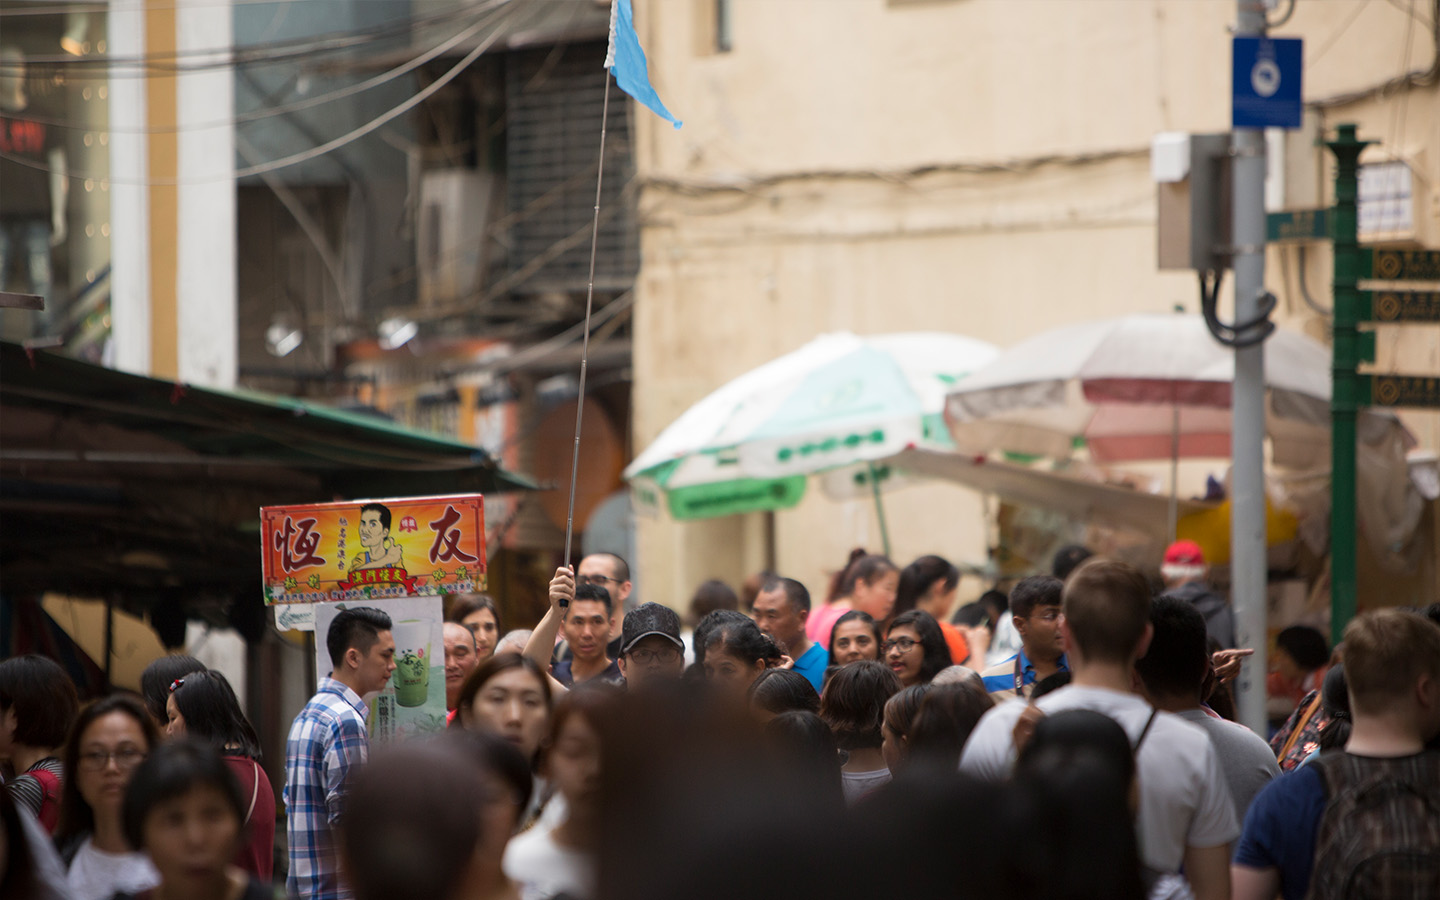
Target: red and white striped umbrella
<point>1140,387</point>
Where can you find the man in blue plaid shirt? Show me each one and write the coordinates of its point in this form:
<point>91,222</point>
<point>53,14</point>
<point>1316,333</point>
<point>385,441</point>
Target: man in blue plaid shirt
<point>326,741</point>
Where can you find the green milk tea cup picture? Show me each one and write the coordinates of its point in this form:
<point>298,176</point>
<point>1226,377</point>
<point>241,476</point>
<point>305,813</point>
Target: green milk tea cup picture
<point>412,662</point>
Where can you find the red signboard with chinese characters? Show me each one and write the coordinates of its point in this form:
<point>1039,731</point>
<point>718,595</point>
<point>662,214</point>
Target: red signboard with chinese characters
<point>369,549</point>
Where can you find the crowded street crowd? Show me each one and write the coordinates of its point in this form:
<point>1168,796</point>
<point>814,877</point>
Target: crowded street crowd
<point>1072,737</point>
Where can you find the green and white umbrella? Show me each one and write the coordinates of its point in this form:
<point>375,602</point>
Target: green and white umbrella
<point>839,402</point>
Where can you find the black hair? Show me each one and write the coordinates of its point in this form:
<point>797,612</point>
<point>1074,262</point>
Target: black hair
<point>18,878</point>
<point>382,509</point>
<point>172,770</point>
<point>42,696</point>
<point>901,709</point>
<point>795,592</point>
<point>76,817</point>
<point>1305,645</point>
<point>1178,658</point>
<point>1052,682</point>
<point>1335,696</point>
<point>155,681</point>
<point>867,567</point>
<point>1037,590</point>
<point>1076,772</point>
<point>803,739</point>
<point>854,615</point>
<point>853,703</point>
<point>595,594</point>
<point>412,820</point>
<point>784,690</point>
<point>622,568</point>
<point>497,663</point>
<point>917,578</point>
<point>934,647</point>
<point>942,724</point>
<point>212,713</point>
<point>1068,559</point>
<point>500,758</point>
<point>744,641</point>
<point>997,599</point>
<point>358,627</point>
<point>971,615</point>
<point>717,619</point>
<point>710,596</point>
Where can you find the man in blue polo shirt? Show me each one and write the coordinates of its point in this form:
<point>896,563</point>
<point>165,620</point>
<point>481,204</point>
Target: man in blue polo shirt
<point>781,608</point>
<point>1035,610</point>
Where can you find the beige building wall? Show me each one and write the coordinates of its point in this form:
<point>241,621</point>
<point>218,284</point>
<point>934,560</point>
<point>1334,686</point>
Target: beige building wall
<point>975,166</point>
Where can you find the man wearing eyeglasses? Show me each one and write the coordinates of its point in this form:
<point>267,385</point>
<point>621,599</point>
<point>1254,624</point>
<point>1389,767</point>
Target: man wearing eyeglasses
<point>651,649</point>
<point>611,572</point>
<point>1035,610</point>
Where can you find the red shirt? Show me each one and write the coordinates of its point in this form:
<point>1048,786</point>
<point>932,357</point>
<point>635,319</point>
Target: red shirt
<point>959,647</point>
<point>257,853</point>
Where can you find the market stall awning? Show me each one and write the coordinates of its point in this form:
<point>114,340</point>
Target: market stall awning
<point>111,480</point>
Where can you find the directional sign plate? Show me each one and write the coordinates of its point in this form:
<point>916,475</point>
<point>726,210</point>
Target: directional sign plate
<point>1297,225</point>
<point>1404,390</point>
<point>1404,265</point>
<point>1402,306</point>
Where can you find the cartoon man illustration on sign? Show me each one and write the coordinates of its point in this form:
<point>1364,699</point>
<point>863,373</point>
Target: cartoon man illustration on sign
<point>381,550</point>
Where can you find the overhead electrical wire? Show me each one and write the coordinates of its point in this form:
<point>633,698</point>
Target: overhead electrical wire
<point>493,7</point>
<point>314,152</point>
<point>167,64</point>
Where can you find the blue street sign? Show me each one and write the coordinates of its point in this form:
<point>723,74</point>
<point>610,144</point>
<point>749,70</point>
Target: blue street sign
<point>1265,83</point>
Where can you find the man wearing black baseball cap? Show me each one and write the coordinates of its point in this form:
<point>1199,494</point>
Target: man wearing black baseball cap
<point>650,647</point>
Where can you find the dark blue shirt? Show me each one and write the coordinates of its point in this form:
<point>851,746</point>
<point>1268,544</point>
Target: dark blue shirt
<point>1281,828</point>
<point>562,673</point>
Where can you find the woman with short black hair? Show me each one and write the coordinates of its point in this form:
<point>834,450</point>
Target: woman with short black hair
<point>853,705</point>
<point>184,809</point>
<point>915,649</point>
<point>37,705</point>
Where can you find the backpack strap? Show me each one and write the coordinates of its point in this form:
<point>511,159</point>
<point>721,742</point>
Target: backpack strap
<point>1299,728</point>
<point>1146,730</point>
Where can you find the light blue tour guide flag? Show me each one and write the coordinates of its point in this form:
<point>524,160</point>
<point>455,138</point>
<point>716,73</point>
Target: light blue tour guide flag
<point>626,60</point>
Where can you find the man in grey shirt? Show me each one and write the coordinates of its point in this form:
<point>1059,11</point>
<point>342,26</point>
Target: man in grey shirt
<point>1173,672</point>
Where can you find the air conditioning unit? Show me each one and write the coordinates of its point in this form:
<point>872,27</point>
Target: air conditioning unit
<point>450,245</point>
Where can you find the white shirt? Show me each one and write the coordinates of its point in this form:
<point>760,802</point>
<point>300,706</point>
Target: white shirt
<point>96,874</point>
<point>49,871</point>
<point>1183,798</point>
<point>544,869</point>
<point>856,785</point>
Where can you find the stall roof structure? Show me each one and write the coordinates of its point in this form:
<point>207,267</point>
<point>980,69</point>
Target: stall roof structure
<point>114,482</point>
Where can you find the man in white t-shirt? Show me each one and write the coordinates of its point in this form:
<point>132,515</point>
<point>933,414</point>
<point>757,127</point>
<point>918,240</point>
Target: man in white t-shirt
<point>1186,816</point>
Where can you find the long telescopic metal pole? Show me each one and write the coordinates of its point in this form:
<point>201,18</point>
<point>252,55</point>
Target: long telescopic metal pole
<point>585,344</point>
<point>1247,437</point>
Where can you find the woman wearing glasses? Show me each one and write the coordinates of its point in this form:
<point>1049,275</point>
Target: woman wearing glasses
<point>204,706</point>
<point>110,739</point>
<point>916,650</point>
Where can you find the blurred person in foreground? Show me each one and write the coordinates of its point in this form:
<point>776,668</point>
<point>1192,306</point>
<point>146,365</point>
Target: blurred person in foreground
<point>110,739</point>
<point>562,860</point>
<point>185,810</point>
<point>204,706</point>
<point>853,705</point>
<point>431,820</point>
<point>1186,814</point>
<point>37,704</point>
<point>509,696</point>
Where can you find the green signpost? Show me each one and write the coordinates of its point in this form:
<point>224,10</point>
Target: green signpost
<point>1351,390</point>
